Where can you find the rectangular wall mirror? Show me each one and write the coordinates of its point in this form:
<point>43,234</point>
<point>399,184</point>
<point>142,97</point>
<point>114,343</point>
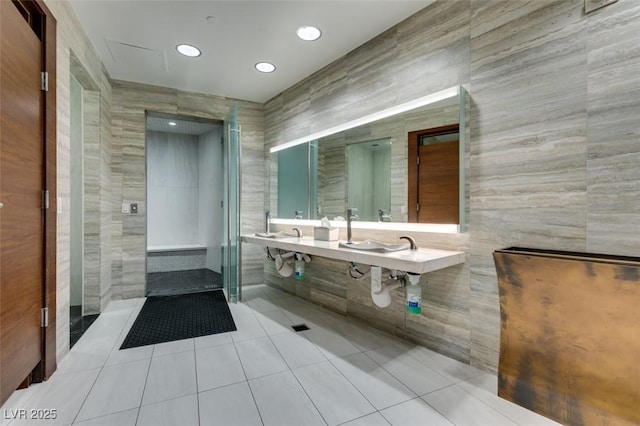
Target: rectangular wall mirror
<point>404,164</point>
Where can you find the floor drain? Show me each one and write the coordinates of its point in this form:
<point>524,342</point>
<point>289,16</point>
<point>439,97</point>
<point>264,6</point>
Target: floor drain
<point>300,327</point>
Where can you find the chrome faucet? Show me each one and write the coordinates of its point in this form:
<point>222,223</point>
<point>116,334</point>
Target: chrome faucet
<point>383,217</point>
<point>352,214</point>
<point>267,221</point>
<point>412,242</point>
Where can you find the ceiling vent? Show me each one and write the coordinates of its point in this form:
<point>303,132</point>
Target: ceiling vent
<point>137,56</point>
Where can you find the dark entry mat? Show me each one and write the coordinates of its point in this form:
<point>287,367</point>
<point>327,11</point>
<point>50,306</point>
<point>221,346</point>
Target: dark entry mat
<point>168,318</point>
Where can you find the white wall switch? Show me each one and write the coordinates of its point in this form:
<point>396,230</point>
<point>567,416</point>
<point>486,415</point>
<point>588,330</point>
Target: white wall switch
<point>126,208</point>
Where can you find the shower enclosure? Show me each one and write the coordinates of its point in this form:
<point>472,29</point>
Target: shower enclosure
<point>184,218</point>
<point>193,196</point>
<point>231,244</point>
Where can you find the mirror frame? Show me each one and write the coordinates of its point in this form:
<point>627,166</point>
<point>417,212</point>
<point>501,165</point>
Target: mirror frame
<point>452,92</point>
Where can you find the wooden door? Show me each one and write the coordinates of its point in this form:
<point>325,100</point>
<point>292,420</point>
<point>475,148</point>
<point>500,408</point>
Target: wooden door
<point>438,183</point>
<point>22,179</point>
<point>434,183</point>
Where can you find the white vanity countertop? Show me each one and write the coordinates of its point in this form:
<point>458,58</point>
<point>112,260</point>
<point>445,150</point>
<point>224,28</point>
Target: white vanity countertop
<point>419,261</point>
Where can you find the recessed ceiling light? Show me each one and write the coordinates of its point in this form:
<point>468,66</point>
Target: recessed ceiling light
<point>309,33</point>
<point>188,50</point>
<point>173,123</point>
<point>265,67</point>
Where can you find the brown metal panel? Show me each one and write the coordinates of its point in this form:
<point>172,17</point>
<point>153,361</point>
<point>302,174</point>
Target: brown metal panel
<point>570,335</point>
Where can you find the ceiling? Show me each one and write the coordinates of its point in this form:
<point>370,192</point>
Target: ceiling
<point>136,40</point>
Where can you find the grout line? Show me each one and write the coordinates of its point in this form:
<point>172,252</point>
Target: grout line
<point>255,403</point>
<point>144,388</point>
<point>195,364</point>
<point>102,416</point>
<point>84,401</point>
<point>491,407</point>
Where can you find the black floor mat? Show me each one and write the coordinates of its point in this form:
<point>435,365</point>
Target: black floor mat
<point>169,318</point>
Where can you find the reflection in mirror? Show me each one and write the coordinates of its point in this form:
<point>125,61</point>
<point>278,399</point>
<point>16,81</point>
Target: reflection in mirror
<point>297,182</point>
<point>434,175</point>
<point>344,170</point>
<point>369,178</point>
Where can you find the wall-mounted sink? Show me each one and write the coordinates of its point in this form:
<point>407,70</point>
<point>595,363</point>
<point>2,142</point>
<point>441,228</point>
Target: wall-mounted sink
<point>376,246</point>
<point>276,235</point>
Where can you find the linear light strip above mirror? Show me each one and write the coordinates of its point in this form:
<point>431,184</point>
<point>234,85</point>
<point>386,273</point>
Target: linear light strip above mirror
<point>387,226</point>
<point>449,93</point>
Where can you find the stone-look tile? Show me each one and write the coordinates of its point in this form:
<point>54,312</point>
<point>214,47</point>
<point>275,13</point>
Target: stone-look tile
<point>282,401</point>
<point>123,418</point>
<point>76,54</point>
<point>374,419</point>
<point>327,89</point>
<point>371,74</point>
<point>380,388</point>
<point>260,358</point>
<point>295,112</point>
<point>553,99</point>
<point>407,369</point>
<point>173,412</point>
<point>171,376</point>
<point>176,260</point>
<point>229,405</point>
<point>612,130</point>
<point>485,388</point>
<point>461,407</point>
<point>415,412</point>
<point>433,49</point>
<point>130,101</point>
<point>337,400</point>
<point>63,394</point>
<point>546,146</point>
<point>218,366</point>
<point>444,324</point>
<point>117,388</point>
<point>528,153</point>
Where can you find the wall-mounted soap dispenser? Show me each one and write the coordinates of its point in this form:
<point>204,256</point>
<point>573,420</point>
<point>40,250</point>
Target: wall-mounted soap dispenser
<point>301,259</point>
<point>414,293</point>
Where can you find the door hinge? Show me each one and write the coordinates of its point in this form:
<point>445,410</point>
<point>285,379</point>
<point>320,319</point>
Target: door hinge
<point>44,81</point>
<point>44,317</point>
<point>418,161</point>
<point>45,199</point>
<point>417,207</point>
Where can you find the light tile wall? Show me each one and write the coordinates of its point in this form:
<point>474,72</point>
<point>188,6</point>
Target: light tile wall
<point>73,50</point>
<point>172,189</point>
<point>179,260</point>
<point>553,146</point>
<point>426,53</point>
<point>130,103</point>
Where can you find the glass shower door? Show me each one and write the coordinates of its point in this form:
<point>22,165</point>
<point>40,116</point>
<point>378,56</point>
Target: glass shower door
<point>231,248</point>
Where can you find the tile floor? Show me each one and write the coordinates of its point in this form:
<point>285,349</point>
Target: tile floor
<point>338,372</point>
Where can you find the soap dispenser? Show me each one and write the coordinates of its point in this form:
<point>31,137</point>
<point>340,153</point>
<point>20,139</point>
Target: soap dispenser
<point>299,267</point>
<point>414,294</point>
